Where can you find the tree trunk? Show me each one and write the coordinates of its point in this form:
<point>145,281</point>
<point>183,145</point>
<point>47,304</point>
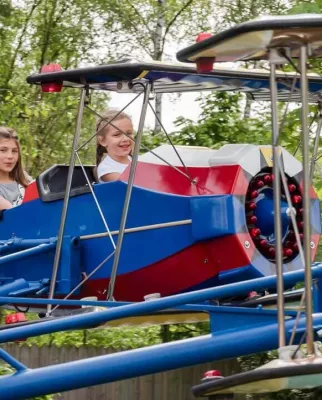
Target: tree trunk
<point>248,107</point>
<point>158,56</point>
<point>165,333</point>
<point>20,42</point>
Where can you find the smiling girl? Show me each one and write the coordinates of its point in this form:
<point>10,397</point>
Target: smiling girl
<point>115,140</point>
<point>13,179</point>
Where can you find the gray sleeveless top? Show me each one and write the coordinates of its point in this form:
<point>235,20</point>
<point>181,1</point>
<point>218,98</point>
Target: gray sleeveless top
<point>11,192</point>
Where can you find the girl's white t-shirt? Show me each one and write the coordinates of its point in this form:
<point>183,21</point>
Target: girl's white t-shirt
<point>110,166</point>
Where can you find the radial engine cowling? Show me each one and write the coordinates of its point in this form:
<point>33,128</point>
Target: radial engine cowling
<point>252,247</point>
<point>233,209</point>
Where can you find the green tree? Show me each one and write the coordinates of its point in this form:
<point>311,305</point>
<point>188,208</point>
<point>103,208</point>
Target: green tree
<point>33,33</point>
<point>222,121</point>
<point>236,11</point>
<point>151,27</point>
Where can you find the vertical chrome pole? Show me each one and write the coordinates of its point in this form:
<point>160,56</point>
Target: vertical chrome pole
<point>96,201</point>
<point>66,198</point>
<point>316,142</point>
<point>128,192</point>
<point>277,206</point>
<point>292,213</point>
<point>306,201</point>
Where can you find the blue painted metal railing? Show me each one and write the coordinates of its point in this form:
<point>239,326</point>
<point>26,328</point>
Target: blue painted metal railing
<point>258,333</point>
<point>41,248</point>
<point>227,344</point>
<point>81,321</point>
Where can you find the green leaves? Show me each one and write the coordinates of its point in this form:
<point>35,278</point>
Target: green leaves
<point>222,121</point>
<point>117,338</point>
<point>307,7</point>
<point>150,26</point>
<point>37,32</point>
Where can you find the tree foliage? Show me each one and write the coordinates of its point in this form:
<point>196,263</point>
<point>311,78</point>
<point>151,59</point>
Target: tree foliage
<point>33,33</point>
<point>36,32</point>
<point>149,28</point>
<point>222,121</point>
<point>236,11</point>
<point>124,337</point>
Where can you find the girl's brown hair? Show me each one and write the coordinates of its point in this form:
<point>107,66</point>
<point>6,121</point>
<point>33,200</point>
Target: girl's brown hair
<point>17,174</point>
<point>102,124</point>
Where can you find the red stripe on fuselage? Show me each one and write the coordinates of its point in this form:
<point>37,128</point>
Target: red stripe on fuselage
<point>231,251</point>
<point>179,272</point>
<point>208,180</point>
<point>171,275</point>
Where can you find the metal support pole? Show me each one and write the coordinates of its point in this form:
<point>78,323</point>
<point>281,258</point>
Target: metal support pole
<point>107,122</point>
<point>108,232</point>
<point>12,361</point>
<point>144,361</point>
<point>219,292</point>
<point>21,255</point>
<point>306,200</point>
<point>18,244</point>
<point>128,192</point>
<point>316,143</point>
<point>138,229</point>
<point>277,208</point>
<point>84,321</point>
<point>86,278</point>
<point>169,139</point>
<point>292,213</point>
<point>66,198</point>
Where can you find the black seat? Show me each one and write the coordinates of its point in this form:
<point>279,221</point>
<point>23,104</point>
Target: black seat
<point>52,182</point>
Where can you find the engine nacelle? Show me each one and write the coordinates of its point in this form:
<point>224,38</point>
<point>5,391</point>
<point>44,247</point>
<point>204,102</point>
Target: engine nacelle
<point>245,248</point>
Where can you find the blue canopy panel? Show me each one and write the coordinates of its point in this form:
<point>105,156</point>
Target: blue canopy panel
<point>125,77</point>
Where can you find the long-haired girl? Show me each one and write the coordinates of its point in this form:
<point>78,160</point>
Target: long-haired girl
<point>13,179</point>
<point>112,141</point>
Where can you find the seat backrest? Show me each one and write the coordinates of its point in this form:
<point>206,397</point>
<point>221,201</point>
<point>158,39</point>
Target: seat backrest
<point>52,182</point>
